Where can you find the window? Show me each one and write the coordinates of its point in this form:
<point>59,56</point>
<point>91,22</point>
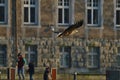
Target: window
<point>3,55</point>
<point>94,12</point>
<point>117,13</point>
<point>65,57</point>
<point>31,53</point>
<point>3,11</point>
<point>63,12</point>
<point>118,57</point>
<point>93,57</point>
<point>30,11</point>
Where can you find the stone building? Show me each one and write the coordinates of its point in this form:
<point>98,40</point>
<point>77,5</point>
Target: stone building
<point>31,26</point>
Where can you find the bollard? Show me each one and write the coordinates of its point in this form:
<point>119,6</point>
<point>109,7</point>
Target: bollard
<point>10,74</point>
<point>75,76</point>
<point>0,75</point>
<point>54,73</point>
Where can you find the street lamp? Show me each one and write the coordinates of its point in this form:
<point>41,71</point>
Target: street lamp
<point>53,39</point>
<point>54,66</point>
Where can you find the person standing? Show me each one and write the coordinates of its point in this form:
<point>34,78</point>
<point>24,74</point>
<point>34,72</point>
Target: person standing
<point>20,67</point>
<point>47,74</point>
<point>31,70</point>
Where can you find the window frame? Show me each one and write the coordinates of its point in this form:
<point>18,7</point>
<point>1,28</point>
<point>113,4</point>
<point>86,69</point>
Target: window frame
<point>93,54</point>
<point>29,6</point>
<point>30,52</point>
<point>100,12</point>
<point>118,56</point>
<point>70,8</point>
<point>116,8</point>
<point>4,53</point>
<point>64,54</point>
<point>5,5</point>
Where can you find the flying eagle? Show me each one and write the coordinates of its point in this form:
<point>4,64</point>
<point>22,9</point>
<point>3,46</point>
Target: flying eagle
<point>71,29</point>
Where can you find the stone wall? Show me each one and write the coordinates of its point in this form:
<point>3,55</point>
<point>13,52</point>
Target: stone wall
<point>79,51</point>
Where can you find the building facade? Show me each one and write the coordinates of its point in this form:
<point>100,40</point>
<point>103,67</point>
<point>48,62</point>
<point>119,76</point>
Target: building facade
<point>31,26</point>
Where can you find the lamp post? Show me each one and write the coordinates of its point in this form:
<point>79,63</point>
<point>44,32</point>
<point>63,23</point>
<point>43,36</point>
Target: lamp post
<point>53,38</point>
<point>53,45</point>
<point>54,66</point>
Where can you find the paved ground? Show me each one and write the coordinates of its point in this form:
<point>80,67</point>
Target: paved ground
<point>38,76</point>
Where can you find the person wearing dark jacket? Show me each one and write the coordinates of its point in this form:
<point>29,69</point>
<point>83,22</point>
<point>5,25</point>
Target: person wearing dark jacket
<point>20,66</point>
<point>31,70</point>
<point>47,74</point>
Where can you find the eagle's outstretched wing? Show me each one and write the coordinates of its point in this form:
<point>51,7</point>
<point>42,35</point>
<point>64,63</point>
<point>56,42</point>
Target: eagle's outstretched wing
<point>71,29</point>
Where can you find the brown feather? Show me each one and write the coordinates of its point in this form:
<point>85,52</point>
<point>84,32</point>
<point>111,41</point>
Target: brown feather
<point>70,29</point>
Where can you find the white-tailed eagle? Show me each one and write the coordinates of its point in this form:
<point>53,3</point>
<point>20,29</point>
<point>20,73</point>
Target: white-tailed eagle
<point>71,29</point>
